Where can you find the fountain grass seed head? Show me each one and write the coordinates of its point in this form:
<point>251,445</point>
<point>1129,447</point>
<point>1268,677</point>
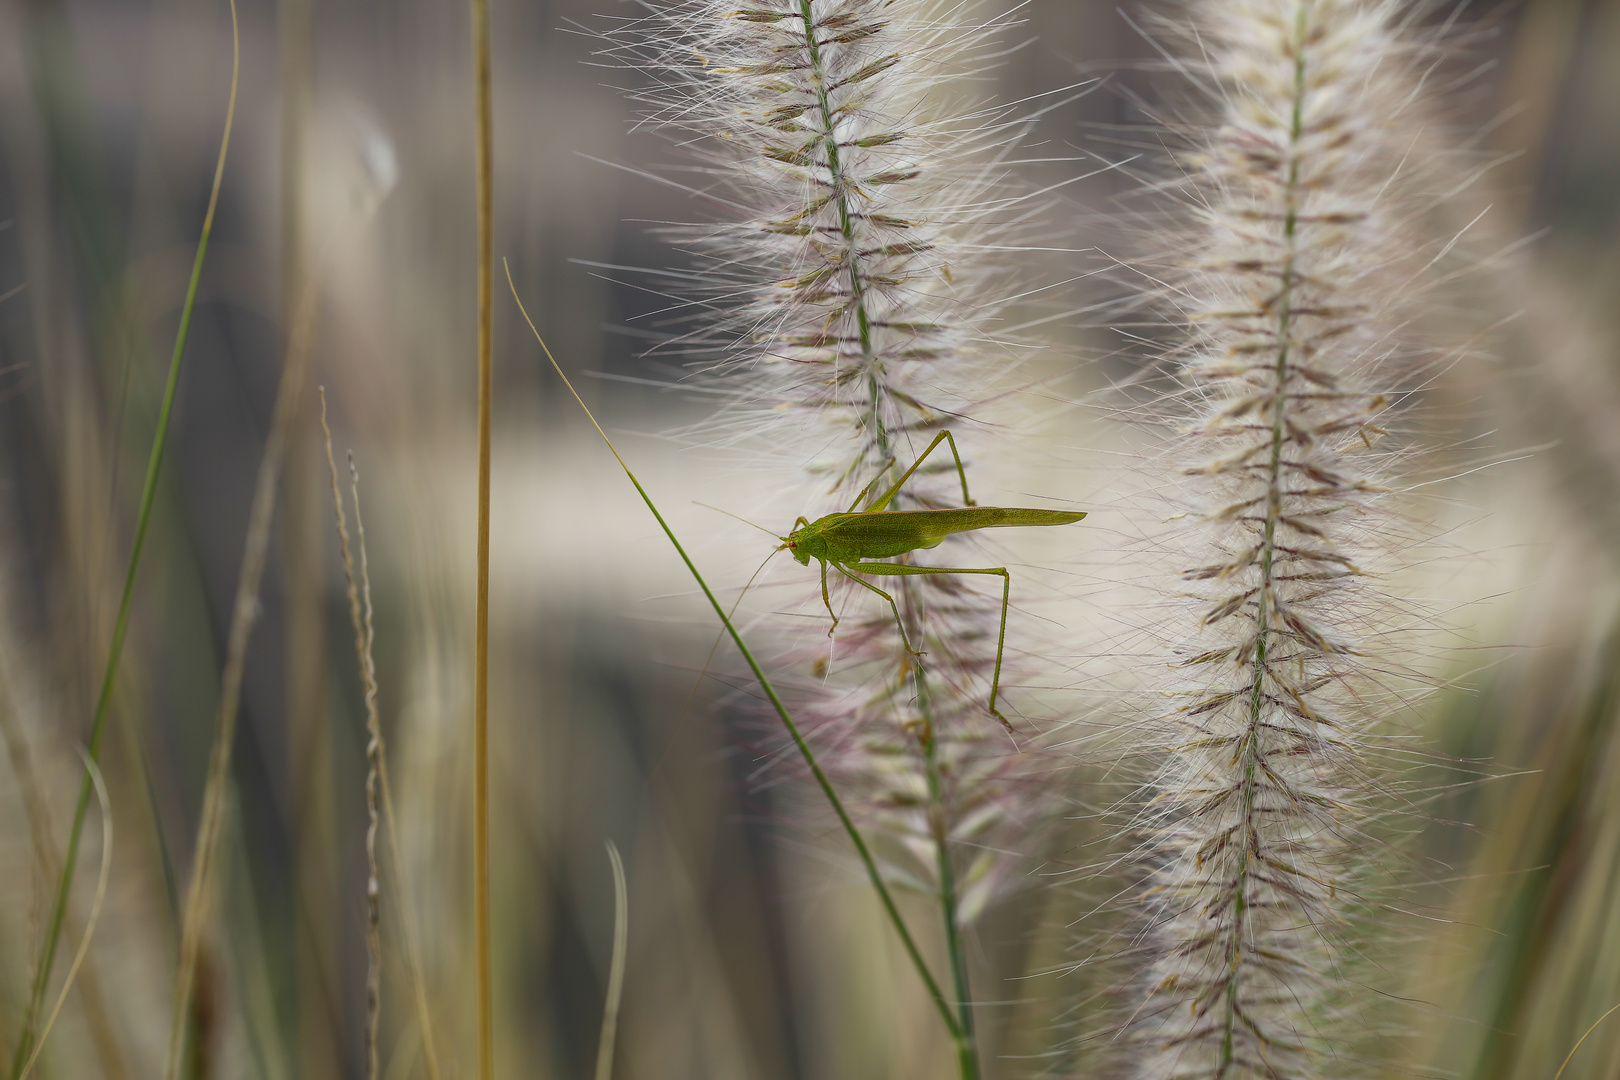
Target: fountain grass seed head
<point>845,301</point>
<point>1296,288</point>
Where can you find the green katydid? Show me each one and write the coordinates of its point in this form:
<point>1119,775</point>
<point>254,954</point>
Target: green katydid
<point>845,541</point>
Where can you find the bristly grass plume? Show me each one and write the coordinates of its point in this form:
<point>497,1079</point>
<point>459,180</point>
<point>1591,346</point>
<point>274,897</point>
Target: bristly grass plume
<point>854,299</point>
<point>1296,291</point>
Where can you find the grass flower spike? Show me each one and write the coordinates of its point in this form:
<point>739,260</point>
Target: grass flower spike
<point>851,330</point>
<point>1296,295</point>
<point>848,271</point>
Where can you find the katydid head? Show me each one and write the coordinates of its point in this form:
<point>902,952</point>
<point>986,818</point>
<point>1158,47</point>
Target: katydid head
<point>801,541</point>
<point>791,543</point>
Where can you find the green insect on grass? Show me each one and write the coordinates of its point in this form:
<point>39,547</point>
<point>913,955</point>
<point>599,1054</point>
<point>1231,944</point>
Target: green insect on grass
<point>847,541</point>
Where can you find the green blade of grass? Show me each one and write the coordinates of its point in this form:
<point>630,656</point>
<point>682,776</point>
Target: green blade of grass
<point>154,465</point>
<point>95,913</point>
<point>890,909</point>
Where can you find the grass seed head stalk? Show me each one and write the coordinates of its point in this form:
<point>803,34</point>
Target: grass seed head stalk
<point>851,327</point>
<point>1296,295</point>
<point>846,309</point>
<point>377,785</point>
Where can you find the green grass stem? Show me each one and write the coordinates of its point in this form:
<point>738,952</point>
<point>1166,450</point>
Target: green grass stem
<point>89,923</point>
<point>890,909</point>
<point>98,728</point>
<point>967,1040</point>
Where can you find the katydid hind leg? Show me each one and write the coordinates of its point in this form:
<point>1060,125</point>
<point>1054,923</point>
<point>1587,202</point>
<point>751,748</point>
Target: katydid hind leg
<point>961,473</point>
<point>902,570</point>
<point>943,436</point>
<point>1001,644</point>
<point>867,490</point>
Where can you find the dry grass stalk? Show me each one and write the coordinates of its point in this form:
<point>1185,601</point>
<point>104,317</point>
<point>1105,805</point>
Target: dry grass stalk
<point>368,674</point>
<point>484,139</point>
<point>359,595</point>
<point>243,615</point>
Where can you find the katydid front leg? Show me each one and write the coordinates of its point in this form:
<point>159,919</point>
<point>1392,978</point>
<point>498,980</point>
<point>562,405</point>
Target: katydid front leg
<point>825,598</point>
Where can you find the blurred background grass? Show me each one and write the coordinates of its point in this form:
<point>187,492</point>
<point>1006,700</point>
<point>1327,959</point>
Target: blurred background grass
<point>755,952</point>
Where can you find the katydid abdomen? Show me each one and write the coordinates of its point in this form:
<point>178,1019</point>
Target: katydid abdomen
<point>846,538</point>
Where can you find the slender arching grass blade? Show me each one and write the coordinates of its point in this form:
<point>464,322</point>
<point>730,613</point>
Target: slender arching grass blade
<point>890,909</point>
<point>89,923</point>
<point>154,465</point>
<point>615,990</point>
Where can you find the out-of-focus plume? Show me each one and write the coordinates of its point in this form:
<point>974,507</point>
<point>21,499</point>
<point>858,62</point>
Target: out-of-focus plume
<point>1296,289</point>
